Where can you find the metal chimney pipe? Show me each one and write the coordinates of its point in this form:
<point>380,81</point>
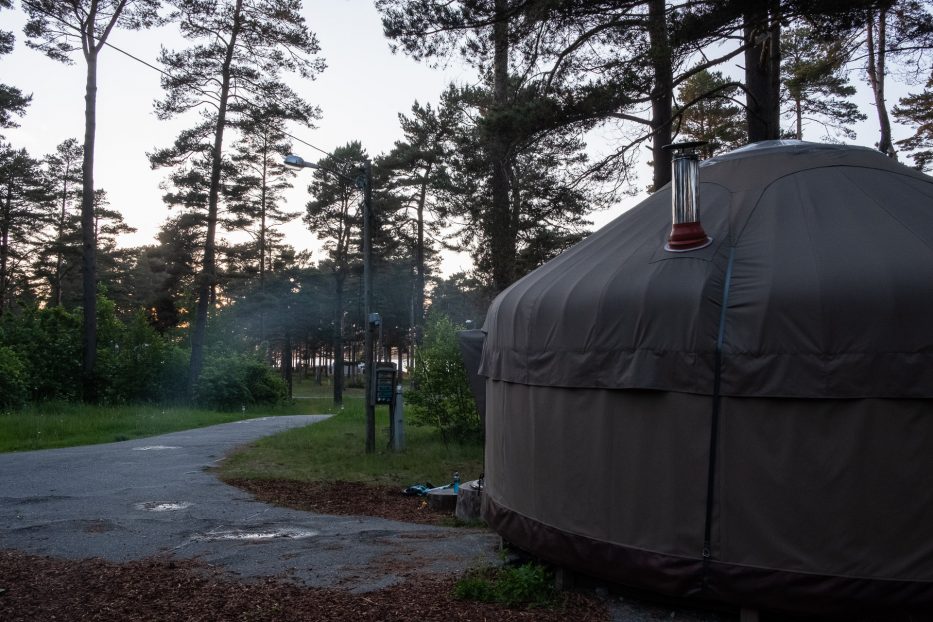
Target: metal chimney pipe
<point>687,233</point>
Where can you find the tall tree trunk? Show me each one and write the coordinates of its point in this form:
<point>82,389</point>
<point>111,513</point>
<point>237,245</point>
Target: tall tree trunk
<point>418,319</point>
<point>762,70</point>
<point>262,245</point>
<point>502,231</point>
<point>876,76</point>
<point>208,276</point>
<point>60,239</point>
<point>287,362</point>
<point>88,242</point>
<point>338,338</point>
<point>662,93</point>
<point>798,114</point>
<point>5,243</point>
<point>262,212</point>
<point>774,101</point>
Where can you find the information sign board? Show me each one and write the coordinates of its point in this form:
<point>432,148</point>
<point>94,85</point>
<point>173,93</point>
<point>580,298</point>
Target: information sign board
<point>385,386</point>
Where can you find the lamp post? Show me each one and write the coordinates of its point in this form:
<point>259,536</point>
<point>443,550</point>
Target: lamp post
<point>364,181</point>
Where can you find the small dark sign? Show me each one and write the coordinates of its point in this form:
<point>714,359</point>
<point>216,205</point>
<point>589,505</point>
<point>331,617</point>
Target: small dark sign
<point>385,386</point>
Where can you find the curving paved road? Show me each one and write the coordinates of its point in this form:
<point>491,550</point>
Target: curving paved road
<point>154,496</point>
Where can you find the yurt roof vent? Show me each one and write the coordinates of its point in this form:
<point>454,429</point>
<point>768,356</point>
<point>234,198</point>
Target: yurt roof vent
<point>687,233</point>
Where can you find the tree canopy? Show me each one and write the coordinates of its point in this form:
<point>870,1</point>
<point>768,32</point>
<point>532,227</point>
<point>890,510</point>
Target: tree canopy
<point>562,109</point>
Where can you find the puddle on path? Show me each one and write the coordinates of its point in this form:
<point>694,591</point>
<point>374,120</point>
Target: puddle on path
<point>154,506</point>
<point>256,535</point>
<point>155,448</point>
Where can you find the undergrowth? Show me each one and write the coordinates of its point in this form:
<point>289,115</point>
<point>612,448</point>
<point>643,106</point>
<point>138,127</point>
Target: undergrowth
<point>527,585</point>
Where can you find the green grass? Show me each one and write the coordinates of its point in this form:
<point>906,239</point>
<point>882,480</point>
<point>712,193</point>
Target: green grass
<point>327,451</point>
<point>528,585</point>
<point>61,424</point>
<point>334,450</point>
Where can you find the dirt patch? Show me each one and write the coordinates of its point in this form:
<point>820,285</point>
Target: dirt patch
<point>39,588</point>
<point>344,498</point>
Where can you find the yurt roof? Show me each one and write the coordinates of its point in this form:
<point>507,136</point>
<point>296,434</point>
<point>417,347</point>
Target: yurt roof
<point>818,284</point>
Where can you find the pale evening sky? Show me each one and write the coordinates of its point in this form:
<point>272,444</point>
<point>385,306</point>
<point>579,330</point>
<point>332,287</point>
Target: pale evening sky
<point>360,93</point>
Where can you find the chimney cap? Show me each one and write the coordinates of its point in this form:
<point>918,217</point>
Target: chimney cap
<point>685,145</point>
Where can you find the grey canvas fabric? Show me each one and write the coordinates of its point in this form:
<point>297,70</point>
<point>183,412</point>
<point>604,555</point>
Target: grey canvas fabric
<point>749,422</point>
<point>829,254</point>
<point>471,349</point>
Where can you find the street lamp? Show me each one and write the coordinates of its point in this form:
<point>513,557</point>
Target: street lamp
<point>364,181</point>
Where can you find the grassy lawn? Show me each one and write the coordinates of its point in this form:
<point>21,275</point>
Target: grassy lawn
<point>334,450</point>
<point>60,424</point>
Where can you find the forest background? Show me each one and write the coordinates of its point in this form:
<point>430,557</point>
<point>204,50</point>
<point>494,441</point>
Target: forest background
<point>540,116</point>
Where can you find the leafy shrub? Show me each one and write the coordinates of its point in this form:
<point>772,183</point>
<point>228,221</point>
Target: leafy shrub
<point>441,395</point>
<point>231,381</point>
<point>133,360</point>
<point>172,382</point>
<point>477,587</point>
<point>528,585</point>
<point>13,386</point>
<point>48,343</point>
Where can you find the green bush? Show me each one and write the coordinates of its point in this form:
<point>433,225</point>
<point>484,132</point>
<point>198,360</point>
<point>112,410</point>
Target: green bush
<point>232,381</point>
<point>172,383</point>
<point>13,386</point>
<point>48,343</point>
<point>528,585</point>
<point>134,362</point>
<point>441,395</point>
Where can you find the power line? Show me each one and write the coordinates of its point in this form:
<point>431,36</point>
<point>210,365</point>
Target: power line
<point>166,74</point>
<point>303,142</point>
<point>137,59</point>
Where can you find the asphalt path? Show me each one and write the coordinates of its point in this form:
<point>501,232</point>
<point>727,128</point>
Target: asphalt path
<point>156,496</point>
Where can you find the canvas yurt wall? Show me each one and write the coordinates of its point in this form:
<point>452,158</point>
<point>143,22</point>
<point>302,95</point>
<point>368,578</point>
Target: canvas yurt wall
<point>749,422</point>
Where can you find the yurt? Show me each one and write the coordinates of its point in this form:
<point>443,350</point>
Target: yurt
<point>744,417</point>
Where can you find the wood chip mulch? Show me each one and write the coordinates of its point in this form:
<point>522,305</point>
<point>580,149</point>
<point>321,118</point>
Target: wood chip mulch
<point>37,589</point>
<point>343,498</point>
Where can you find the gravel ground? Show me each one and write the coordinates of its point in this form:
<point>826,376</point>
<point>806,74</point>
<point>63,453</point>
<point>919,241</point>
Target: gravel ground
<point>37,588</point>
<point>344,499</point>
<point>142,530</point>
<point>40,588</point>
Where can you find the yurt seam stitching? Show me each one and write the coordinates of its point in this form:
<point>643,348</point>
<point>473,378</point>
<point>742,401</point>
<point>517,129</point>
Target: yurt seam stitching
<point>714,422</point>
<point>856,182</point>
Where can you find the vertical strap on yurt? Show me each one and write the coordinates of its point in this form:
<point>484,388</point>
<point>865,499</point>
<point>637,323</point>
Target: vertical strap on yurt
<point>714,422</point>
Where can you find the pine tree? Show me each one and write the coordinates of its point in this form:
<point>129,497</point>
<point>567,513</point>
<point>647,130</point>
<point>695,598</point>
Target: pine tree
<point>487,30</point>
<point>64,252</point>
<point>25,209</point>
<point>12,100</point>
<point>240,50</point>
<point>879,35</point>
<point>816,88</point>
<point>897,29</point>
<point>58,29</point>
<point>259,183</point>
<point>916,111</point>
<point>109,226</point>
<point>334,215</point>
<point>709,112</point>
<point>541,196</point>
<point>173,262</point>
<point>416,174</point>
